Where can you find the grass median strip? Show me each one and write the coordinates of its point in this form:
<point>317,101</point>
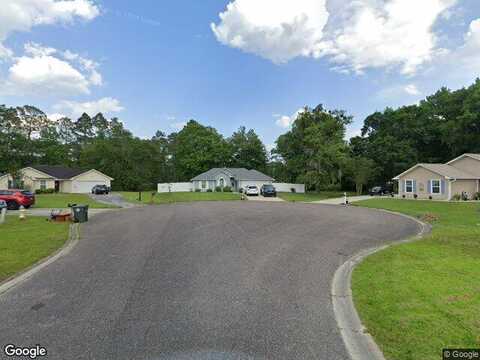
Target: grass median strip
<point>61,201</point>
<point>418,298</point>
<point>168,198</point>
<point>23,243</point>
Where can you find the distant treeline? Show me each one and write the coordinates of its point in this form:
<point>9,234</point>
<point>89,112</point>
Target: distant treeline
<point>313,152</point>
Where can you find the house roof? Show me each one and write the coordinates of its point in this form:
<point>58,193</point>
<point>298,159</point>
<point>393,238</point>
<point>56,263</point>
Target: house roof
<point>473,156</point>
<point>448,171</point>
<point>59,172</point>
<point>237,173</point>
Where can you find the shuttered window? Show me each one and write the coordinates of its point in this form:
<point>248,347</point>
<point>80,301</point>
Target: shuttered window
<point>409,186</point>
<point>436,187</point>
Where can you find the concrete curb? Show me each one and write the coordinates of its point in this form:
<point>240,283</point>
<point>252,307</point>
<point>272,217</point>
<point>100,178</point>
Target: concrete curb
<point>73,237</point>
<point>359,343</point>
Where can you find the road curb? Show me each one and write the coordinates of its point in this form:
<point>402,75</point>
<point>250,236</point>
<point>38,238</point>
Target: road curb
<point>359,343</point>
<point>73,237</point>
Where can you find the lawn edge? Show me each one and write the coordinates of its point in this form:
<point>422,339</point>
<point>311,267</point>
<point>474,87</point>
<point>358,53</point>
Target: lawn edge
<point>359,343</point>
<point>24,275</point>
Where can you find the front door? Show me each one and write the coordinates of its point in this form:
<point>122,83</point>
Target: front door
<point>57,186</point>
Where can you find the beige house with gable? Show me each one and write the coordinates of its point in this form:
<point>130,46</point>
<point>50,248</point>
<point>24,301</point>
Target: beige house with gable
<point>58,178</point>
<point>442,181</point>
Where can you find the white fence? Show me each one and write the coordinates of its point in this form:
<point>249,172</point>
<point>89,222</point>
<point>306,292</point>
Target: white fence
<point>282,187</point>
<point>175,187</point>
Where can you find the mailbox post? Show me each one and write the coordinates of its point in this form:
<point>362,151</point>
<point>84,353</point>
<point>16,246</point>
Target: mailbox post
<point>3,211</point>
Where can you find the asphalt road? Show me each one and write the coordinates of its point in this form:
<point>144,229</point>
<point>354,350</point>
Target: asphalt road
<point>237,280</point>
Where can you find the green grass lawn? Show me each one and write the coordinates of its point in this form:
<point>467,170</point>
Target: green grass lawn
<point>311,196</point>
<point>168,198</point>
<point>23,243</point>
<point>418,298</point>
<point>57,201</point>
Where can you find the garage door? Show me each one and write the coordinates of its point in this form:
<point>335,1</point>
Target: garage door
<point>84,187</point>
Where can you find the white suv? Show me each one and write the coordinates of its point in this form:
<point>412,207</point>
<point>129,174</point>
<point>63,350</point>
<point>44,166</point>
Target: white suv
<point>252,190</point>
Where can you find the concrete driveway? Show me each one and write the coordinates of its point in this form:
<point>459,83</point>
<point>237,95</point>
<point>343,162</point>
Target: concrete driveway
<point>263,198</point>
<point>341,200</point>
<point>231,280</point>
<point>113,199</point>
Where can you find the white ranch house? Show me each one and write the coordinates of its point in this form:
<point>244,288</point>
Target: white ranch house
<point>235,178</point>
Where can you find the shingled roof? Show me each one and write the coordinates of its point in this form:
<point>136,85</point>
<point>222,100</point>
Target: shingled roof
<point>473,156</point>
<point>448,171</point>
<point>59,172</point>
<point>237,173</point>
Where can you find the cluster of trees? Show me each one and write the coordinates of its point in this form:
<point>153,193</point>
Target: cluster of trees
<point>438,129</point>
<point>313,152</point>
<point>28,137</point>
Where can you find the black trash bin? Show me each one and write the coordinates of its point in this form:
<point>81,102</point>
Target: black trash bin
<point>80,213</point>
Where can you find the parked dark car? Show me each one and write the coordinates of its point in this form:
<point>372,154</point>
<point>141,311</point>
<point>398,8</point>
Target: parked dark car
<point>380,191</point>
<point>268,190</point>
<point>16,198</point>
<point>100,190</point>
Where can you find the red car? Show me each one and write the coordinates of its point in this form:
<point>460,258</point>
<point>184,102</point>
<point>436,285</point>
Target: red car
<point>16,198</point>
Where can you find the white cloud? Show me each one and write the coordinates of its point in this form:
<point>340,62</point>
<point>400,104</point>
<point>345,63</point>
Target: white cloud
<point>178,126</point>
<point>412,89</point>
<point>76,109</point>
<point>360,34</point>
<point>285,121</point>
<point>45,70</point>
<point>352,132</point>
<point>466,59</point>
<point>87,64</point>
<point>458,66</point>
<point>22,15</point>
<point>37,50</point>
<point>276,30</point>
<point>44,74</point>
<point>387,33</point>
<point>56,116</point>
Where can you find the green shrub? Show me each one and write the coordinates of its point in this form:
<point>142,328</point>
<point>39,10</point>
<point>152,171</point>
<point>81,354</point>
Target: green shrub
<point>227,189</point>
<point>209,190</point>
<point>218,189</point>
<point>457,197</point>
<point>198,190</point>
<point>44,191</point>
<point>331,187</point>
<point>476,196</point>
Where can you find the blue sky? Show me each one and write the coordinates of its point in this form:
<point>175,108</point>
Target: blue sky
<point>156,64</point>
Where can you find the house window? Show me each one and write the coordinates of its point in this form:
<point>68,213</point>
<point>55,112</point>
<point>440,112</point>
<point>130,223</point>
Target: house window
<point>204,184</point>
<point>436,187</point>
<point>222,183</point>
<point>43,184</point>
<point>409,186</point>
